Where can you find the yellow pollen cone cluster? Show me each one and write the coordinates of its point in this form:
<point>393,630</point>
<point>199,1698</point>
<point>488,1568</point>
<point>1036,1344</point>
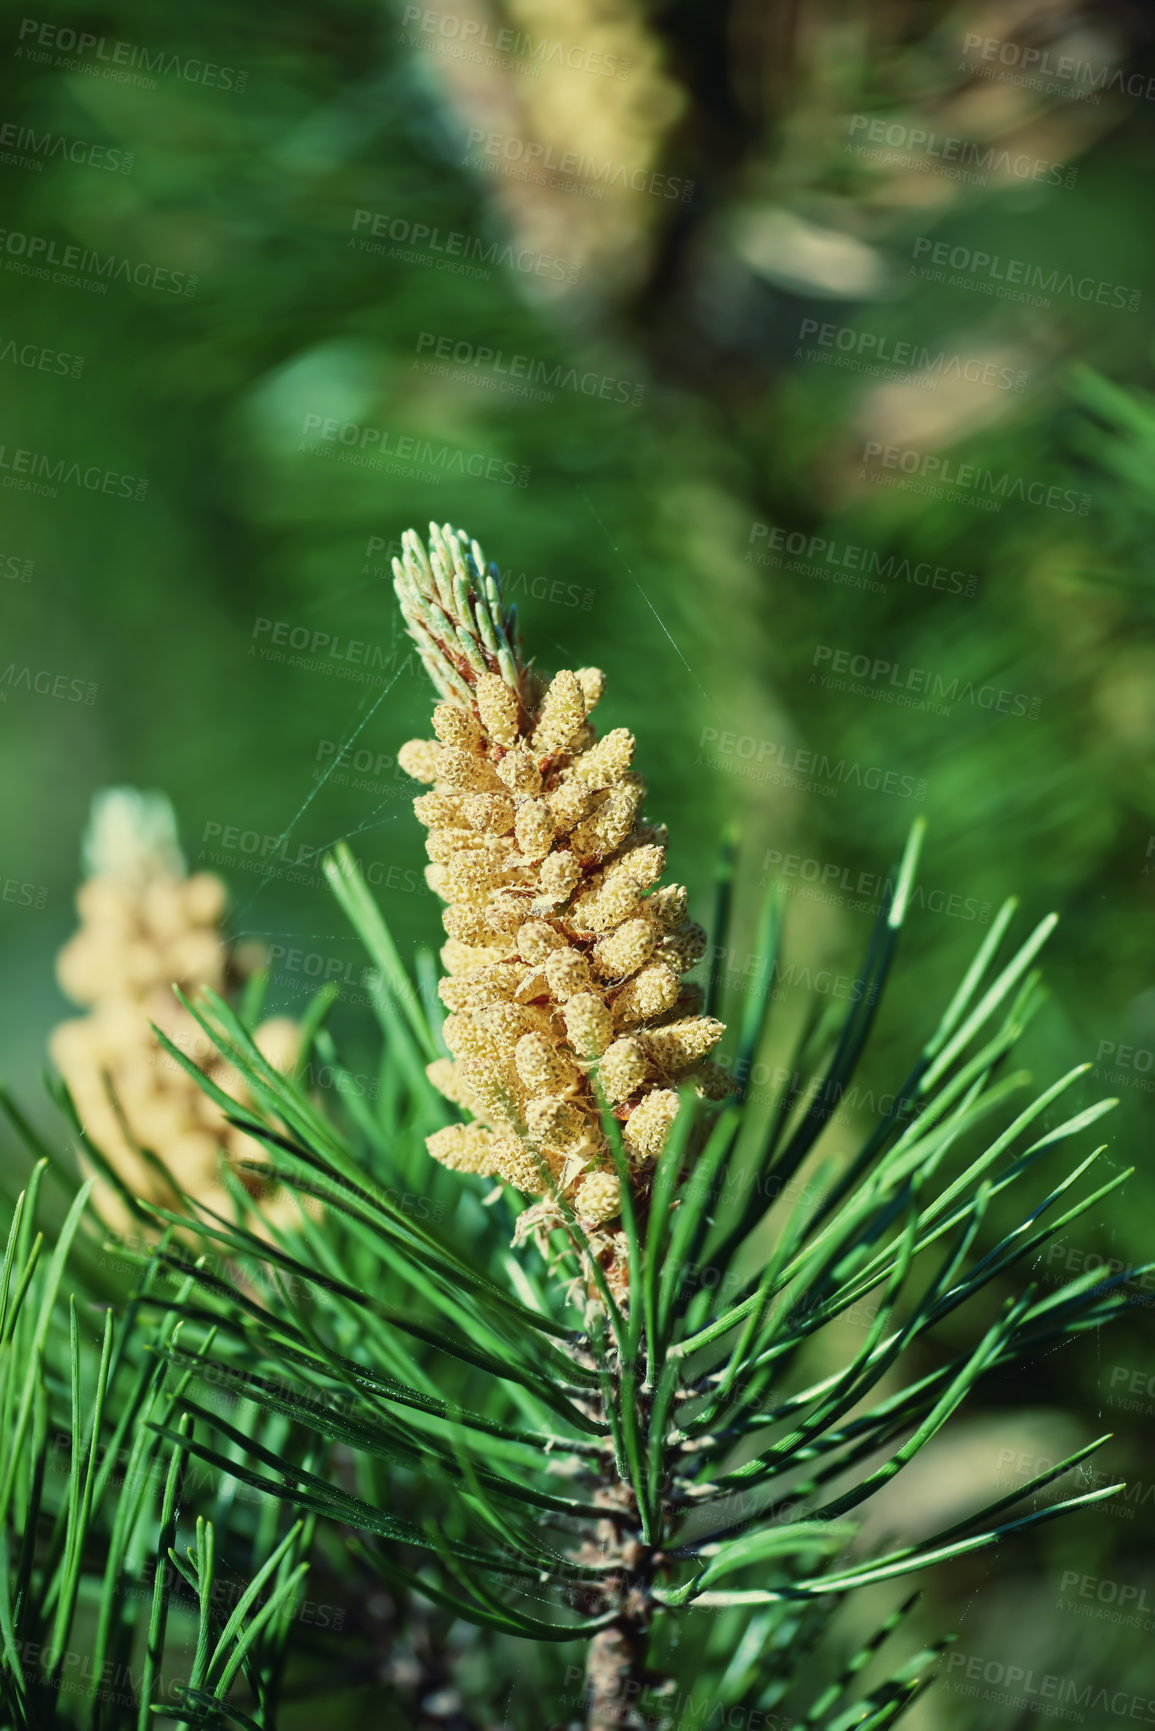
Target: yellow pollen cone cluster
<point>565,957</point>
<point>146,926</point>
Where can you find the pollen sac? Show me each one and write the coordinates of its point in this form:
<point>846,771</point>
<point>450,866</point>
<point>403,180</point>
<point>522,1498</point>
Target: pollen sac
<point>642,865</point>
<point>438,810</point>
<point>685,946</point>
<point>534,830</point>
<point>518,770</point>
<point>461,1034</point>
<point>472,873</point>
<point>600,1197</point>
<point>553,1120</point>
<point>567,973</point>
<point>536,940</point>
<point>497,707</point>
<point>625,949</point>
<point>466,924</point>
<point>460,958</point>
<point>420,758</point>
<point>649,1123</point>
<point>593,683</point>
<point>481,987</point>
<point>668,906</point>
<point>443,1075</point>
<point>601,909</point>
<point>679,1044</point>
<point>622,1070</point>
<point>508,1022</point>
<point>463,770</point>
<point>560,876</point>
<point>491,1091</point>
<point>465,1148</point>
<point>711,1082</point>
<point>531,987</point>
<point>491,813</point>
<point>563,711</point>
<point>442,844</point>
<point>504,911</point>
<point>521,1166</point>
<point>650,993</point>
<point>543,1065</point>
<point>610,823</point>
<point>606,762</point>
<point>589,1025</point>
<point>569,803</point>
<point>454,725</point>
<point>452,1032</point>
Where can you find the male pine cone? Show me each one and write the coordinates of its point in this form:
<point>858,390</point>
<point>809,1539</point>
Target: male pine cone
<point>565,957</point>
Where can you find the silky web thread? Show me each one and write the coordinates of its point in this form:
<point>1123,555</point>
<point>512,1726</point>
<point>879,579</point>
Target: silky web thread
<point>311,796</point>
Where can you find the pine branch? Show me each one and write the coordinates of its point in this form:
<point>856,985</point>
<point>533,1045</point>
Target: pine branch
<point>564,1403</point>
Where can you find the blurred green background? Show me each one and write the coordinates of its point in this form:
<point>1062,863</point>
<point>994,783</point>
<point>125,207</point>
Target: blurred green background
<point>722,328</point>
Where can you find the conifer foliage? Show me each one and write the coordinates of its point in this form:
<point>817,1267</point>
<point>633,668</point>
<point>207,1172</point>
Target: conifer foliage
<point>546,1423</point>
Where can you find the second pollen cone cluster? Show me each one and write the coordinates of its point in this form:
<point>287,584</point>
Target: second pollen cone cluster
<point>145,927</point>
